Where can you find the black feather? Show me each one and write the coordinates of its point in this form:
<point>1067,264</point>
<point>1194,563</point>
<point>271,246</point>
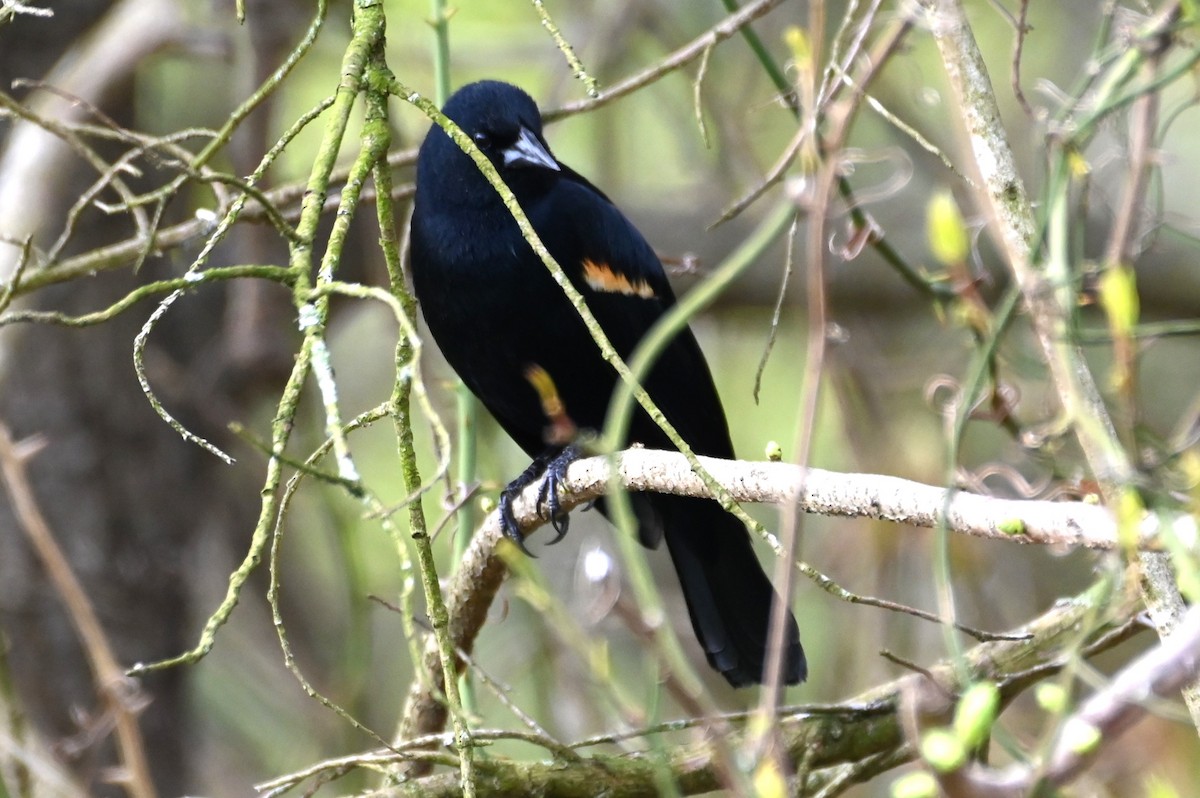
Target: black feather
<point>495,310</point>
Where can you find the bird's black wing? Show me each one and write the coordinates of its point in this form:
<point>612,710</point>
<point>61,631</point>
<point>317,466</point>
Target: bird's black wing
<point>727,592</point>
<point>627,291</point>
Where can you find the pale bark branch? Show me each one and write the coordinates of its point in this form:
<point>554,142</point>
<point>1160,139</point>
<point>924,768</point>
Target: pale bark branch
<point>481,571</point>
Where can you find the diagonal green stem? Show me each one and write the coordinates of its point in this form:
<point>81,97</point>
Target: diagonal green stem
<point>300,265</point>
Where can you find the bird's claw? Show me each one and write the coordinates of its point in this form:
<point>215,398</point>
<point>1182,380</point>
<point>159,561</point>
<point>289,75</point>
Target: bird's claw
<point>548,498</point>
<point>556,474</point>
<point>508,520</point>
<point>551,466</point>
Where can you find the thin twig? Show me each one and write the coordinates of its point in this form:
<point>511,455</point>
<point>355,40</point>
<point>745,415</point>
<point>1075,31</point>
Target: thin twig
<point>863,736</point>
<point>665,66</point>
<point>120,693</point>
<point>1047,290</point>
<point>1096,725</point>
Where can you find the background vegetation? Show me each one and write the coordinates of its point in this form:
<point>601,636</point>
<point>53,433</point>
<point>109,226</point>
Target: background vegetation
<point>124,127</point>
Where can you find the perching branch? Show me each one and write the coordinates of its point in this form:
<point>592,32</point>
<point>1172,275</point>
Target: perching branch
<point>851,495</point>
<point>474,585</point>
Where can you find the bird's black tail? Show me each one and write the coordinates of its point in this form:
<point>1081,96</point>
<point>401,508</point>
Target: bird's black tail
<point>728,594</point>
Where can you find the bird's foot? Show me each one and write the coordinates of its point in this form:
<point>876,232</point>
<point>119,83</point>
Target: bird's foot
<point>556,473</point>
<point>551,466</point>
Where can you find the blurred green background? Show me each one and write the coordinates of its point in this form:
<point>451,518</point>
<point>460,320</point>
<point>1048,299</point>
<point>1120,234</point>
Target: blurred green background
<point>250,719</point>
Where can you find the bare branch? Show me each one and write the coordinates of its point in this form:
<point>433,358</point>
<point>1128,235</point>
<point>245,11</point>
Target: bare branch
<point>1046,282</point>
<point>31,167</point>
<point>861,737</point>
<point>481,571</point>
<point>853,495</point>
<point>1084,735</point>
<point>120,694</point>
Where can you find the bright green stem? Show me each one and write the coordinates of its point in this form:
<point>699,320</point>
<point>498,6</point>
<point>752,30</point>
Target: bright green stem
<point>364,39</point>
<point>406,365</point>
<point>466,406</point>
<point>620,411</point>
<point>441,50</point>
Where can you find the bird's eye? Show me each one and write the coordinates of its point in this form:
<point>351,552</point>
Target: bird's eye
<point>482,140</point>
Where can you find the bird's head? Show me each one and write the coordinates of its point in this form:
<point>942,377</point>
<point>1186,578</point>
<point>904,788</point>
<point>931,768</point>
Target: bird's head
<point>505,125</point>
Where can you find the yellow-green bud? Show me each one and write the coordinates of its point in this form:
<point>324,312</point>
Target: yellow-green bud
<point>976,713</point>
<point>942,749</point>
<point>915,785</point>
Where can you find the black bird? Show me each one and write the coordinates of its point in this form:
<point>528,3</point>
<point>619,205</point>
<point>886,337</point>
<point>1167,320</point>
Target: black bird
<point>496,313</point>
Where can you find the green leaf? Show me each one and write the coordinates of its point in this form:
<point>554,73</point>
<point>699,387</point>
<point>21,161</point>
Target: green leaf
<point>948,239</point>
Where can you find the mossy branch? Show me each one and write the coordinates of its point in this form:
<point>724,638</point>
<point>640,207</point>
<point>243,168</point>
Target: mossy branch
<point>839,744</point>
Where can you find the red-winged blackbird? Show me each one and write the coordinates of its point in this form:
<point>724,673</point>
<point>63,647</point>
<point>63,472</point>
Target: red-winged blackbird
<point>496,312</point>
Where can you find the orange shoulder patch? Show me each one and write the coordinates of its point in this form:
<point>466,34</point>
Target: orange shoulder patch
<point>601,277</point>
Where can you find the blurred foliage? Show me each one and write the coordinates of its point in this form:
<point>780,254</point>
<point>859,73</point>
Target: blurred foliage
<point>881,412</point>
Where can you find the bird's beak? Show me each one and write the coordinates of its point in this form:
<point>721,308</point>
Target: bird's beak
<point>528,151</point>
